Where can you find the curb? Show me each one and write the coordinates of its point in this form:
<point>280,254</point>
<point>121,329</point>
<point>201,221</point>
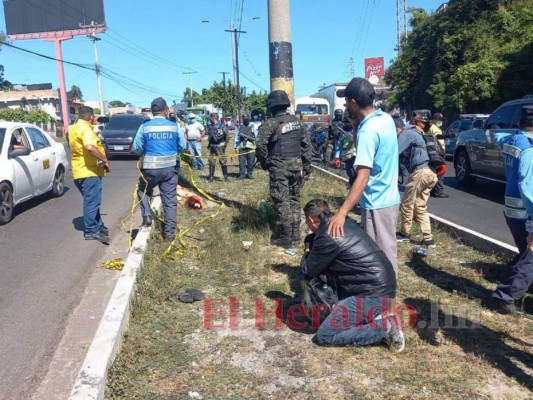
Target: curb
<point>475,239</point>
<point>91,380</point>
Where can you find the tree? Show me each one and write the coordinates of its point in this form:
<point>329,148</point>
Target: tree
<point>117,103</point>
<point>468,58</point>
<point>75,93</point>
<point>187,97</point>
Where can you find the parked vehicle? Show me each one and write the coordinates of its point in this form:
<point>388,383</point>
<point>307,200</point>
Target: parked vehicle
<point>120,131</point>
<point>477,154</point>
<point>31,164</point>
<point>313,110</point>
<point>330,94</point>
<point>464,123</point>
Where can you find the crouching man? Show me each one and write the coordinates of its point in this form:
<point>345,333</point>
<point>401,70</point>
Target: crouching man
<point>363,277</point>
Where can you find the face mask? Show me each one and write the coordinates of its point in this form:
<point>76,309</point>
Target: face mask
<point>439,123</point>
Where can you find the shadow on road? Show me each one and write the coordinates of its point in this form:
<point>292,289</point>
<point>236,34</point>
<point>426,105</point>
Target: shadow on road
<point>35,202</point>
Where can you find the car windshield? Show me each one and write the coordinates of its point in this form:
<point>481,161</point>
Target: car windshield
<point>2,134</point>
<point>127,123</point>
<point>466,125</point>
<point>312,109</point>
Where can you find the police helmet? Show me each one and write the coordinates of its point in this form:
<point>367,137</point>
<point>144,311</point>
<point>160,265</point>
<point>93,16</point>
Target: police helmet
<point>422,115</point>
<point>278,98</point>
<point>338,112</point>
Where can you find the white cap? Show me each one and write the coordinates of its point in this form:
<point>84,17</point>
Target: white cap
<point>191,115</point>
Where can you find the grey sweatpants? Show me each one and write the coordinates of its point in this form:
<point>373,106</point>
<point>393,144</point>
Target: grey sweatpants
<point>381,226</point>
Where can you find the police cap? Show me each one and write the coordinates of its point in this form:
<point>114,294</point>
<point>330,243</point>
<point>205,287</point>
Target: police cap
<point>278,98</point>
<point>158,105</point>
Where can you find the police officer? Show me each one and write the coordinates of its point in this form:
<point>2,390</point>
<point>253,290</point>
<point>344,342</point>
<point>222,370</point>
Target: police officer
<point>257,118</point>
<point>217,135</point>
<point>335,131</point>
<point>159,143</point>
<point>284,149</point>
<point>245,139</point>
<point>518,154</point>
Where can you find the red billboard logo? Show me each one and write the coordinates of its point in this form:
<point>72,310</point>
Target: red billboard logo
<point>374,67</point>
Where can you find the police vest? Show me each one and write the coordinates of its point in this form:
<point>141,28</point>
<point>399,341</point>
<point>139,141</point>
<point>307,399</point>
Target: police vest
<point>216,136</point>
<point>245,143</point>
<point>514,146</point>
<point>285,142</point>
<point>161,144</point>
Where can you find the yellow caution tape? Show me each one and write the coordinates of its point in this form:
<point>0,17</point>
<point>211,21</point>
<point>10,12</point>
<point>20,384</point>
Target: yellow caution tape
<point>116,264</point>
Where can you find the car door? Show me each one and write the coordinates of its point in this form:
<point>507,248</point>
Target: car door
<point>499,122</point>
<point>23,168</point>
<point>44,155</point>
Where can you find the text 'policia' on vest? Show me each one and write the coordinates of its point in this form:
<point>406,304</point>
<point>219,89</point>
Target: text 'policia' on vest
<point>160,136</point>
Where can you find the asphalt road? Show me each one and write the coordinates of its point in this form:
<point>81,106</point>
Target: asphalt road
<point>479,208</point>
<point>44,267</point>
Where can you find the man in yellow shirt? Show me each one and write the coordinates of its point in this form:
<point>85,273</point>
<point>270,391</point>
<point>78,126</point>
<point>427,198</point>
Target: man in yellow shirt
<point>435,129</point>
<point>89,165</point>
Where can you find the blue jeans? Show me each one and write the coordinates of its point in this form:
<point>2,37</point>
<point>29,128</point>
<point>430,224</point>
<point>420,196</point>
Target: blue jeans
<point>246,163</point>
<point>167,180</point>
<point>91,190</point>
<point>195,148</point>
<point>355,321</point>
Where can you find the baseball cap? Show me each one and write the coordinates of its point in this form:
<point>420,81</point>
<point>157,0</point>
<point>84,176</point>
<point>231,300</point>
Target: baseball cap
<point>360,90</point>
<point>158,104</point>
<point>191,115</point>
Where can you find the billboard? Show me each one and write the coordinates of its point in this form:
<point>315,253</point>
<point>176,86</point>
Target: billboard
<point>374,67</point>
<point>37,16</point>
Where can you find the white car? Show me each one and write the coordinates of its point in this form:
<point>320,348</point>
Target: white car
<point>31,163</point>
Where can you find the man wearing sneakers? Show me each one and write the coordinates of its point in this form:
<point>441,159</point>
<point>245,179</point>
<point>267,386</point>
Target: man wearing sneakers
<point>363,278</point>
<point>414,159</point>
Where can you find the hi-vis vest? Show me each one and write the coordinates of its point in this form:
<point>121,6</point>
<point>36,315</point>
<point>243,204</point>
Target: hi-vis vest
<point>161,139</point>
<point>513,146</point>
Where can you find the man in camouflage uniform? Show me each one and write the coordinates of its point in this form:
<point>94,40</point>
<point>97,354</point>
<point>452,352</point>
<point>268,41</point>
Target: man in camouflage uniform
<point>284,149</point>
<point>217,140</point>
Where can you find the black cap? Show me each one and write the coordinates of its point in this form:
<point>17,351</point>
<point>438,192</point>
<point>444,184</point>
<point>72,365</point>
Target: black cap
<point>398,121</point>
<point>360,90</point>
<point>422,115</point>
<point>159,105</point>
<point>526,117</point>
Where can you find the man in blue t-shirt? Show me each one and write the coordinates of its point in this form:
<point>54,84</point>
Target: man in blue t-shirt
<point>376,164</point>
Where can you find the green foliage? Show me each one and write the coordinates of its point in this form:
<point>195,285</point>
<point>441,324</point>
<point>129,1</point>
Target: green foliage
<point>117,103</point>
<point>19,115</point>
<point>469,58</point>
<point>75,93</point>
<point>4,84</point>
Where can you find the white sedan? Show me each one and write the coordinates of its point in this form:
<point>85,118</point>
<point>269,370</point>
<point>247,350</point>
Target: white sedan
<point>31,163</point>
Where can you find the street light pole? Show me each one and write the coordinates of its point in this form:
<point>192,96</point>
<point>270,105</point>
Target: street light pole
<point>225,93</point>
<point>190,84</point>
<point>236,66</point>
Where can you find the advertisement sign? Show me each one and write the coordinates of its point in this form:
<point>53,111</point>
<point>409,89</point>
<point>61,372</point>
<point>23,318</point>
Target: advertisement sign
<point>374,67</point>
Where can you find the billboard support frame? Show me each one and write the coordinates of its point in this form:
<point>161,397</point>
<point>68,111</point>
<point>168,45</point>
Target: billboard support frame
<point>57,37</point>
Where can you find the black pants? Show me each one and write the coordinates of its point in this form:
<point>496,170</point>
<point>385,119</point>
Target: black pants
<point>518,230</point>
<point>517,280</point>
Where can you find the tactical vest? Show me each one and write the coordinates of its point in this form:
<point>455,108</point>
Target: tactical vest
<point>513,146</point>
<point>216,136</point>
<point>161,144</point>
<point>248,131</point>
<point>285,142</point>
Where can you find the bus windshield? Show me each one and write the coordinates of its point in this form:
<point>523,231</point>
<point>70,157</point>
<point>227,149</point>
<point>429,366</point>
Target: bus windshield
<point>312,109</point>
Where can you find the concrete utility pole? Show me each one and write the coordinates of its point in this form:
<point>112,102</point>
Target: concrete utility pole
<point>225,92</point>
<point>236,69</point>
<point>280,47</point>
<point>94,38</point>
<point>190,84</point>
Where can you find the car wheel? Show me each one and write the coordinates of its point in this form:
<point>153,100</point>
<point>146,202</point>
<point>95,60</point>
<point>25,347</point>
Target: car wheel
<point>6,203</point>
<point>58,186</point>
<point>463,171</point>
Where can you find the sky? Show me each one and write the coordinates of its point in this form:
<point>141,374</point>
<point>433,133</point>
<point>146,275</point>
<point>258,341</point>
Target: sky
<point>148,49</point>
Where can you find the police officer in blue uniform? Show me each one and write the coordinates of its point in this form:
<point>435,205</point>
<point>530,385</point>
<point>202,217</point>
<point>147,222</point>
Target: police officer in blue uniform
<point>518,156</point>
<point>159,142</point>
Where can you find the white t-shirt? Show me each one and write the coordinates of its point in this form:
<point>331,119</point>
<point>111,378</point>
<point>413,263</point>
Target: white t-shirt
<point>194,130</point>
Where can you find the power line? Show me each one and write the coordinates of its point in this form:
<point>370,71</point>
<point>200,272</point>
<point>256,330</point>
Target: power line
<point>252,82</point>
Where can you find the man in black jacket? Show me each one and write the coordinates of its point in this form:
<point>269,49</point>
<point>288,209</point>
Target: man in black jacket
<point>363,277</point>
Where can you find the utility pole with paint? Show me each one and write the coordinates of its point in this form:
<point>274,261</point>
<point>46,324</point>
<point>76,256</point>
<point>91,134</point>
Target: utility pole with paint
<point>280,47</point>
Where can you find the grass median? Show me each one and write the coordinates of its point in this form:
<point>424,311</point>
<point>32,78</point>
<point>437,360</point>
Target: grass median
<point>214,348</point>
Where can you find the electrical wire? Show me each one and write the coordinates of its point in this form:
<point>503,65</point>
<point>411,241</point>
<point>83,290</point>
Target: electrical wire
<point>251,81</point>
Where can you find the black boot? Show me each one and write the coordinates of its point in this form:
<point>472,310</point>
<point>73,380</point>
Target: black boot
<point>211,173</point>
<point>284,237</point>
<point>225,172</point>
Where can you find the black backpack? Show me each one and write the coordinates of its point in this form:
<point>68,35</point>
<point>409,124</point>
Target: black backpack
<point>435,154</point>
